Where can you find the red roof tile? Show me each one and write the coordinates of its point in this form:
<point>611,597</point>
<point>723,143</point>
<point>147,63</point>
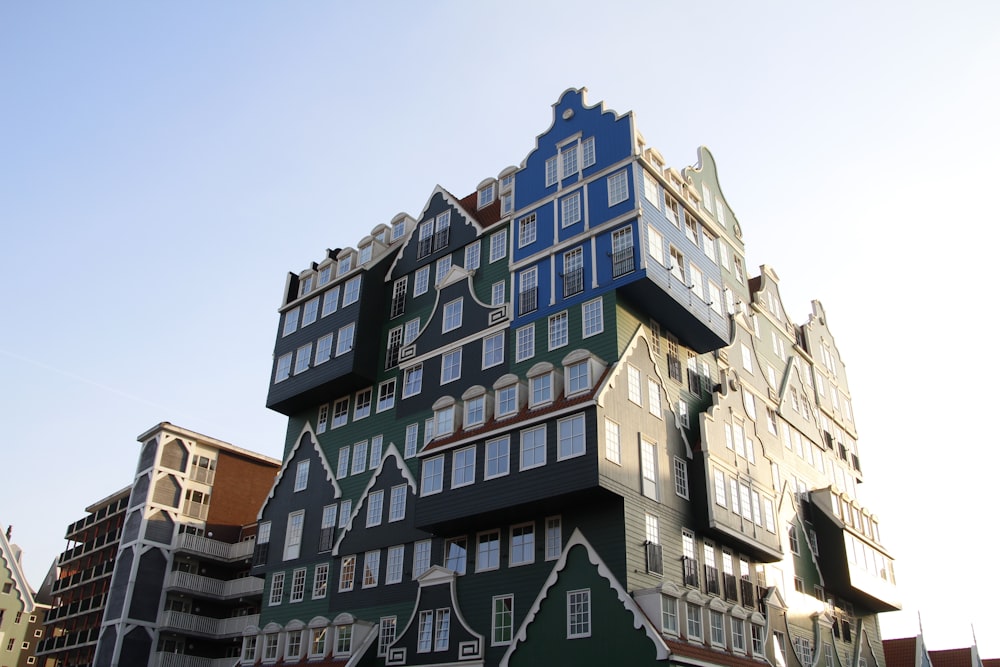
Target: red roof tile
<point>900,652</point>
<point>953,657</point>
<point>485,216</point>
<point>725,658</point>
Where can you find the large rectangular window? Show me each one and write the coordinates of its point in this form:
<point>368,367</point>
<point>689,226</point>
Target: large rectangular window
<point>525,342</point>
<point>433,475</point>
<point>572,441</point>
<point>558,330</point>
<point>593,317</point>
<point>488,550</point>
<point>503,619</point>
<point>497,457</point>
<point>649,474</point>
<point>293,534</point>
<point>532,448</point>
<point>578,614</point>
<point>463,467</point>
<point>617,188</point>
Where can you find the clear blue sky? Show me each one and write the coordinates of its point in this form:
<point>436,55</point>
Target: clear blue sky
<point>164,165</point>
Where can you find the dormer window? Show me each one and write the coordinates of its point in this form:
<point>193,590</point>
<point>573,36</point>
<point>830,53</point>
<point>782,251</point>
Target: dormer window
<point>544,384</point>
<point>344,263</point>
<point>487,194</point>
<point>445,421</point>
<point>325,274</point>
<point>306,285</point>
<point>509,395</point>
<point>398,229</point>
<point>477,406</point>
<point>582,369</point>
<point>365,254</point>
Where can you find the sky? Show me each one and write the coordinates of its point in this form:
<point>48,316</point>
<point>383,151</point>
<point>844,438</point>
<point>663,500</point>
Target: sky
<point>163,166</point>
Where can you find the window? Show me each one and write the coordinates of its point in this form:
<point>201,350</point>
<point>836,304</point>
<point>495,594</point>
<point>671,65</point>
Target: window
<point>352,290</point>
<point>421,280</point>
<point>293,534</point>
<point>375,499</point>
<point>498,245</point>
<point>425,631</point>
<point>397,503</point>
<point>589,156</point>
<point>291,321</point>
<point>558,330</point>
<point>344,264</point>
<point>301,476</point>
<point>421,557</point>
<point>487,195</point>
<point>433,475</point>
<point>451,366</point>
<point>283,369</point>
<point>526,230</point>
<point>317,641</point>
<point>757,638</point>
<point>571,209</point>
<point>347,566</point>
<point>302,356</point>
<point>375,457</point>
<point>648,464</point>
<point>693,621</point>
<point>340,411</point>
<point>499,293</point>
<point>553,537</point>
<point>717,628</point>
<point>343,461</point>
<point>277,588</point>
<point>369,578</point>
<point>344,633</point>
<point>541,389</point>
<point>386,634</point>
<point>345,339</point>
<point>528,290</point>
<point>571,438</point>
<point>298,585</point>
<point>463,464</point>
<point>525,342</point>
<point>655,243</point>
<point>634,386</point>
<point>570,165</point>
<point>394,566</point>
<point>310,311</point>
<point>578,376</point>
<point>720,487</point>
<point>551,171</point>
<point>441,268</point>
<point>654,390</point>
<point>386,396</point>
<point>452,316</point>
<point>321,575</point>
<point>330,300</point>
<point>617,188</point>
<point>739,638</point>
<point>507,401</point>
<point>623,260</point>
<point>572,272</point>
<point>593,317</point>
<point>360,459</point>
<point>533,448</point>
<point>413,378</point>
<point>612,441</point>
<point>506,203</point>
<point>324,347</point>
<point>270,647</point>
<point>522,544</point>
<point>497,457</point>
<point>669,615</point>
<point>681,478</point>
<point>503,619</point>
<point>493,350</point>
<point>455,554</point>
<point>488,550</point>
<point>652,529</point>
<point>475,411</point>
<point>578,614</point>
<point>249,648</point>
<point>793,539</point>
<point>444,421</point>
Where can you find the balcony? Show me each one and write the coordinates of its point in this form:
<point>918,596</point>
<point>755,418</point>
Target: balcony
<point>204,546</point>
<point>96,517</point>
<point>88,547</point>
<point>101,570</point>
<point>572,282</point>
<point>206,626</point>
<point>181,660</point>
<point>217,588</point>
<point>855,565</point>
<point>76,608</point>
<point>527,301</point>
<point>67,641</point>
<point>622,261</point>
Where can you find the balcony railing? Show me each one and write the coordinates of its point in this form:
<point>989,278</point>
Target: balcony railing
<point>690,567</point>
<point>203,474</point>
<point>83,576</point>
<point>572,282</point>
<point>181,660</point>
<point>91,519</point>
<point>68,641</point>
<point>209,547</point>
<point>424,247</point>
<point>528,300</point>
<point>206,625</point>
<point>87,547</point>
<point>219,588</point>
<point>75,608</point>
<point>622,262</point>
<point>441,238</point>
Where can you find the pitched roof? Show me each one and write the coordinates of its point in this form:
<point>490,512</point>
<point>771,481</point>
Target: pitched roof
<point>952,657</point>
<point>486,215</point>
<point>679,649</point>
<point>900,652</point>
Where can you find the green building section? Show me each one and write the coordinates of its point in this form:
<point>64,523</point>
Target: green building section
<point>611,635</point>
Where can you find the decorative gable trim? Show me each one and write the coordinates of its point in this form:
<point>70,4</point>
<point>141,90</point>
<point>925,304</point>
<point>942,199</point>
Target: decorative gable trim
<point>330,477</point>
<point>640,621</point>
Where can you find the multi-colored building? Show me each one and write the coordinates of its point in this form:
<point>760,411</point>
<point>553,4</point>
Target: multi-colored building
<point>556,422</point>
<point>22,611</point>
